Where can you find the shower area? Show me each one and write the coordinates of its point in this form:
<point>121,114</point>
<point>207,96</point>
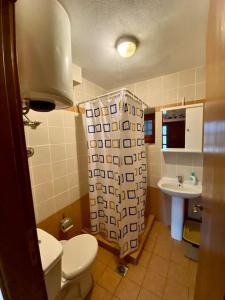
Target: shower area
<point>117,172</point>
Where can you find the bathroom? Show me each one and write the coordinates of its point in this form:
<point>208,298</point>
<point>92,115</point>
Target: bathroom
<point>170,73</point>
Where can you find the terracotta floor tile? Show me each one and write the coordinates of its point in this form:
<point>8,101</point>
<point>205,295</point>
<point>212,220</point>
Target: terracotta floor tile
<point>157,227</point>
<point>109,280</point>
<point>144,258</point>
<point>163,249</point>
<point>146,295</point>
<point>136,273</point>
<point>178,274</point>
<point>127,290</point>
<point>174,291</point>
<point>150,243</point>
<point>159,265</point>
<point>165,235</point>
<point>178,254</point>
<point>97,270</point>
<point>104,256</point>
<point>154,283</point>
<point>192,271</point>
<point>113,262</point>
<point>99,293</point>
<point>153,234</point>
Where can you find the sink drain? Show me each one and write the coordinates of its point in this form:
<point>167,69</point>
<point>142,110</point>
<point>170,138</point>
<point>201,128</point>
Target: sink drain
<point>122,269</point>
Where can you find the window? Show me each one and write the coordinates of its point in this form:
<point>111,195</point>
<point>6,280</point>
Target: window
<point>150,128</point>
<point>164,136</point>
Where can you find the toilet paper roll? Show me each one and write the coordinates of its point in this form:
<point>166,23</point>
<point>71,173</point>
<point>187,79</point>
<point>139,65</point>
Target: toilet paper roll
<point>67,229</point>
<point>66,224</point>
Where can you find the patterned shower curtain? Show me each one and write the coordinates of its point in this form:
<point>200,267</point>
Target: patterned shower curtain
<point>117,170</point>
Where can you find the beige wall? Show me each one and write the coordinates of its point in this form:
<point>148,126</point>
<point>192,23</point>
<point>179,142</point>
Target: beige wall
<point>58,168</point>
<point>164,90</point>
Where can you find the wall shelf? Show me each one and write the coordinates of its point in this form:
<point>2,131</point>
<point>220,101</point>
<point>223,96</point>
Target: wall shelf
<point>181,150</point>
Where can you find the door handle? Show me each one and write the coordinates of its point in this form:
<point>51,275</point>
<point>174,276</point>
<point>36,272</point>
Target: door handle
<point>197,208</point>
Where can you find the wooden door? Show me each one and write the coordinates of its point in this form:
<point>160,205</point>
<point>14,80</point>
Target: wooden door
<point>21,276</point>
<point>210,283</point>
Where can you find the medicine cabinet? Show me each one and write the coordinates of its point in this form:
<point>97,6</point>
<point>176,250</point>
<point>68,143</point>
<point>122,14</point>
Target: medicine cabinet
<point>182,128</point>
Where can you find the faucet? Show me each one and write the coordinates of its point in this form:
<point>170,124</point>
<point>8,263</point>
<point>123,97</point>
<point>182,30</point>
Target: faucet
<point>180,179</point>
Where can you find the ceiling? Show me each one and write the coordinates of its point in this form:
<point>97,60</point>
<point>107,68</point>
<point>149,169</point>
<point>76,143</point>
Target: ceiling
<point>171,36</point>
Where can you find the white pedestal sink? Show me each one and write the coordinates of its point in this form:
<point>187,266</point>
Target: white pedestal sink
<point>178,192</point>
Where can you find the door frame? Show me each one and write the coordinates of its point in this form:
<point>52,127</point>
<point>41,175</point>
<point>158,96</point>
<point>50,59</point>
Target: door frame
<point>21,275</point>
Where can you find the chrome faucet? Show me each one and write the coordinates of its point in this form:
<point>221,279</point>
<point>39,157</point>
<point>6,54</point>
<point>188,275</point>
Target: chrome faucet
<point>180,179</point>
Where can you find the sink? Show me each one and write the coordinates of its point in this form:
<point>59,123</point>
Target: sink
<point>170,186</point>
<point>178,192</point>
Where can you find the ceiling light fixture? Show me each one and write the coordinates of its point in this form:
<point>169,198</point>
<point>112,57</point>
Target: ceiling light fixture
<point>126,46</point>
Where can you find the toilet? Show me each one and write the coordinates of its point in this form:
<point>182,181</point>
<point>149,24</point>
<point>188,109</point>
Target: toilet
<point>67,265</point>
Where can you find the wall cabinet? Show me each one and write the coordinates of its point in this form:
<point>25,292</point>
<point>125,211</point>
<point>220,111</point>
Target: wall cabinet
<point>182,128</point>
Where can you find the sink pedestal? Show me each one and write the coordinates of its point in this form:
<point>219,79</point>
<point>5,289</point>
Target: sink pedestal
<point>177,218</point>
<point>178,192</point>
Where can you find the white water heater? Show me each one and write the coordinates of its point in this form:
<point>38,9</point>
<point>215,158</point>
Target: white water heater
<point>43,39</point>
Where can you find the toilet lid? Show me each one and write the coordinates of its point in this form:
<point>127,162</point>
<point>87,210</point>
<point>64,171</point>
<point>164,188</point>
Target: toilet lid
<point>78,254</point>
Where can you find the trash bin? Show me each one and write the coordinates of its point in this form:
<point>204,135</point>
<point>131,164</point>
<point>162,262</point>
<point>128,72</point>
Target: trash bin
<point>191,237</point>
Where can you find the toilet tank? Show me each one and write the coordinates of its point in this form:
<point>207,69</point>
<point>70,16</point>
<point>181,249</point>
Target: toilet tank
<point>43,42</point>
<point>51,253</point>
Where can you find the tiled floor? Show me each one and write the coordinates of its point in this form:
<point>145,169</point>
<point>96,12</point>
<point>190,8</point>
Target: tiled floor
<point>163,273</point>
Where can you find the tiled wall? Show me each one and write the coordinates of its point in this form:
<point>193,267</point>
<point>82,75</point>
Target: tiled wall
<point>58,168</point>
<point>164,90</point>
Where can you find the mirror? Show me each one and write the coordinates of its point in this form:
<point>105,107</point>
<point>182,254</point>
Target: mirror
<point>173,128</point>
<point>182,128</point>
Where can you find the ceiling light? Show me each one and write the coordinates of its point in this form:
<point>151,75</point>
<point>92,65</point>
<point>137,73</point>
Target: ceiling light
<point>126,46</point>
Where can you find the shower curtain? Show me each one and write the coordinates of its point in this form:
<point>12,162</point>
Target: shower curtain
<point>117,169</point>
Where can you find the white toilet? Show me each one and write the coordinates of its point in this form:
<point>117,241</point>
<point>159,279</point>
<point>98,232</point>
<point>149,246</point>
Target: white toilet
<point>66,265</point>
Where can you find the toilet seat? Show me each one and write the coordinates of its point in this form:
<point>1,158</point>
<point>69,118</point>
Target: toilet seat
<point>78,254</point>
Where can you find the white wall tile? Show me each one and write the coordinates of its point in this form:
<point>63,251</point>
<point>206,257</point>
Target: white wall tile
<point>71,165</point>
<point>43,192</point>
<point>187,77</point>
<point>171,96</point>
<point>200,91</point>
<point>38,116</point>
<point>41,155</point>
<point>71,150</point>
<point>38,136</point>
<point>56,135</point>
<point>72,179</point>
<point>200,74</point>
<point>170,81</point>
<point>55,118</point>
<point>68,119</point>
<point>188,92</point>
<point>45,209</point>
<point>74,193</point>
<point>60,185</point>
<point>62,200</point>
<point>41,174</point>
<point>59,169</point>
<point>69,134</point>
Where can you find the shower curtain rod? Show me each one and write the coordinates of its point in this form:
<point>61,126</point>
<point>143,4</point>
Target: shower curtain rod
<point>123,90</point>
